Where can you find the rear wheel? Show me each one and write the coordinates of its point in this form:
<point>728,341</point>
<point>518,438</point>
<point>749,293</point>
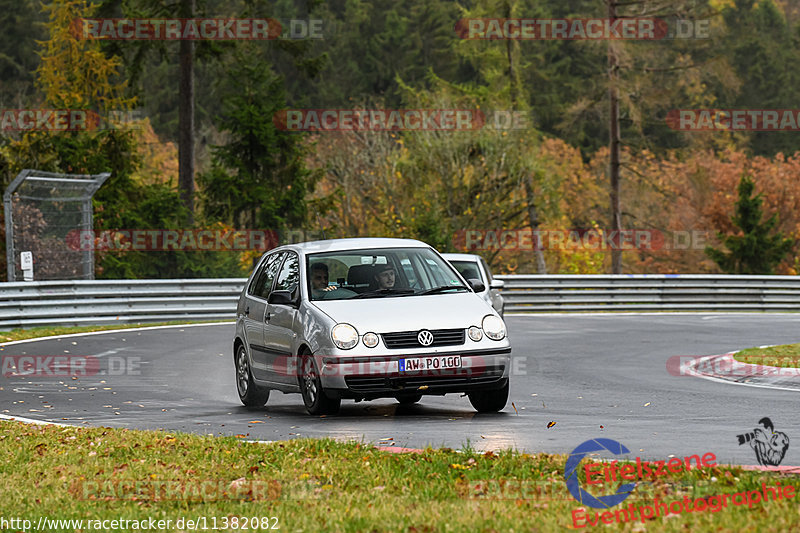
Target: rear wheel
<point>317,403</point>
<point>249,393</point>
<point>489,401</point>
<point>409,399</point>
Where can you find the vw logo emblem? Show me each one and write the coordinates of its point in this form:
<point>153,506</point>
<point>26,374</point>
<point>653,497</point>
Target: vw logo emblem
<point>425,337</point>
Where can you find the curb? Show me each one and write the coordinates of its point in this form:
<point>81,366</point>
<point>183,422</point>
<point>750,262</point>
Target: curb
<point>726,369</point>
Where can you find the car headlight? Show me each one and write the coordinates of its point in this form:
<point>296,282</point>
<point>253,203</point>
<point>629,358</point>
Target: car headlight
<point>370,340</point>
<point>344,336</point>
<point>475,333</point>
<point>494,327</point>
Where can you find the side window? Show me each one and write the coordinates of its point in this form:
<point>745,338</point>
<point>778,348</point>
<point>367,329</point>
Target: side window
<point>289,277</point>
<point>408,270</point>
<point>437,273</point>
<point>263,284</point>
<point>251,289</point>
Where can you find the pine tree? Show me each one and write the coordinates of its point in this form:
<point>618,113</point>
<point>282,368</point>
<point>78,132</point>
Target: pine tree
<point>257,178</point>
<point>758,250</point>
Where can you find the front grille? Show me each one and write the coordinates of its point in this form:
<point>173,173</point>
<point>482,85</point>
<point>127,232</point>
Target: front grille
<point>374,384</point>
<point>408,339</point>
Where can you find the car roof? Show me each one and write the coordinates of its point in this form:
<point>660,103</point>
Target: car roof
<point>338,245</point>
<point>462,257</point>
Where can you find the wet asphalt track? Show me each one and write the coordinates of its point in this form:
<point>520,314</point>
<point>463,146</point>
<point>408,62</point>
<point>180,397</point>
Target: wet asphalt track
<point>593,375</point>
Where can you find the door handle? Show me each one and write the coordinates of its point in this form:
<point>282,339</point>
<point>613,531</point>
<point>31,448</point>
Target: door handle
<point>266,317</point>
<point>247,310</point>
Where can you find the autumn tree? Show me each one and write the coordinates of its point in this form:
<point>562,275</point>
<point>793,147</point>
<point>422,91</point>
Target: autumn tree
<point>758,249</point>
<point>75,73</point>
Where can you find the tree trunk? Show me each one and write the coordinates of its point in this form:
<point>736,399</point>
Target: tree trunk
<point>530,197</point>
<point>186,117</point>
<point>512,82</point>
<point>533,218</point>
<point>614,141</point>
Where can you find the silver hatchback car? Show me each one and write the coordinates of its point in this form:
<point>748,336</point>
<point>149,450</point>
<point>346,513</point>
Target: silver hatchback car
<point>363,319</point>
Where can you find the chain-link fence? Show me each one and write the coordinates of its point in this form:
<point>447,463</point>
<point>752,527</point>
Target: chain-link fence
<point>44,215</point>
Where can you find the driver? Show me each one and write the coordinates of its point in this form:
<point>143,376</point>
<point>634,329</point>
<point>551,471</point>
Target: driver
<point>385,277</point>
<point>320,290</point>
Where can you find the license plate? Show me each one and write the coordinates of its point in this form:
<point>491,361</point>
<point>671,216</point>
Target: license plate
<point>437,362</point>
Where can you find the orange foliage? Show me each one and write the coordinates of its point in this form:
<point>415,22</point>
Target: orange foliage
<point>684,199</point>
<point>697,194</point>
<point>159,160</point>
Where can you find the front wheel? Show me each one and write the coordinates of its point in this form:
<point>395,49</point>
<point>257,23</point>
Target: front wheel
<point>489,401</point>
<point>317,403</point>
<point>249,393</point>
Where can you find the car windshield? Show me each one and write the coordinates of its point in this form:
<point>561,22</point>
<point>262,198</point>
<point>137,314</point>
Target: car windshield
<point>468,269</point>
<point>379,273</point>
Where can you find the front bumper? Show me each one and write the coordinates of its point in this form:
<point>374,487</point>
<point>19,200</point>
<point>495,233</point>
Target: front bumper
<point>368,377</point>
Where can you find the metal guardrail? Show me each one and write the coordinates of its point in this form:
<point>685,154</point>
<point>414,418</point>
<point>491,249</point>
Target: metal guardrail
<point>650,292</point>
<point>82,302</point>
<point>138,301</point>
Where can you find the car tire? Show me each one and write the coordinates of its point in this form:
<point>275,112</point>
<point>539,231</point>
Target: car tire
<point>317,403</point>
<point>249,393</point>
<point>409,399</point>
<point>489,401</point>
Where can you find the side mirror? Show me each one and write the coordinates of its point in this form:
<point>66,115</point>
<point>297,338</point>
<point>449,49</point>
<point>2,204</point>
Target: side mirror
<point>281,298</point>
<point>477,285</point>
<point>497,284</point>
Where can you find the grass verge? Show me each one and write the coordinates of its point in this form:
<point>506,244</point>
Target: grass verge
<point>93,474</point>
<point>48,331</point>
<point>785,356</point>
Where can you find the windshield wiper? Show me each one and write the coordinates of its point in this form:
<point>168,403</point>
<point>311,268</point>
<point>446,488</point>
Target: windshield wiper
<point>441,289</point>
<point>380,293</point>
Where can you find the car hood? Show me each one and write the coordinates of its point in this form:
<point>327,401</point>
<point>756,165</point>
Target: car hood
<point>409,313</point>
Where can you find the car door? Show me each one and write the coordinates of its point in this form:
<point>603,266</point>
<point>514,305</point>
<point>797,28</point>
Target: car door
<point>255,312</point>
<point>279,334</point>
